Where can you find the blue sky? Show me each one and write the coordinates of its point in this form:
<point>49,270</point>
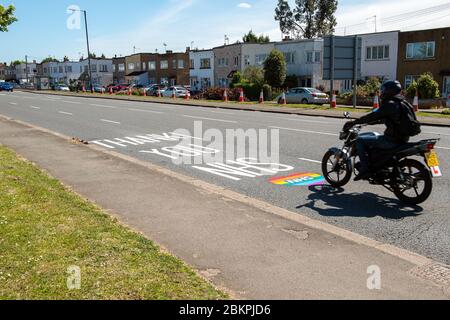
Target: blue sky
<point>116,26</point>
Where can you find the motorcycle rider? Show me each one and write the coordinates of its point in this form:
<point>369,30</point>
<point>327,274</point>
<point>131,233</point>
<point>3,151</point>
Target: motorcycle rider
<point>388,113</point>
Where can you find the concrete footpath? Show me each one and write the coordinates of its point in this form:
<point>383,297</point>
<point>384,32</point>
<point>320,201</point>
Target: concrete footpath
<point>266,107</point>
<point>251,248</point>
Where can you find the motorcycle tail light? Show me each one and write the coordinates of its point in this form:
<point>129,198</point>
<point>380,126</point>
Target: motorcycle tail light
<point>430,146</point>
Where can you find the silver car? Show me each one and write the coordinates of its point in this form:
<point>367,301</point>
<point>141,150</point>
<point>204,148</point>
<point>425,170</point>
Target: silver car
<point>180,92</point>
<point>306,96</point>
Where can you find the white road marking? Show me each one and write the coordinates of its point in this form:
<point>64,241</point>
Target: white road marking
<point>109,121</point>
<point>442,134</point>
<point>102,106</point>
<point>33,107</point>
<point>306,131</point>
<point>66,113</point>
<point>211,119</point>
<point>444,148</point>
<point>73,102</point>
<point>309,160</point>
<point>148,111</point>
<point>2,94</point>
<point>13,103</point>
<point>302,120</point>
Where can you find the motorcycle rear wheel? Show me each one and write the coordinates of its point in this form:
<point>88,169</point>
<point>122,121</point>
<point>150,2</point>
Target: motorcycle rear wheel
<point>343,170</point>
<point>420,174</point>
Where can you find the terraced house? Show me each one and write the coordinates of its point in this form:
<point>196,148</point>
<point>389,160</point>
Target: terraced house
<point>425,51</point>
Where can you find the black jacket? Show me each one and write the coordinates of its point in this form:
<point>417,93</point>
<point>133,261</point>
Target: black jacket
<point>389,113</point>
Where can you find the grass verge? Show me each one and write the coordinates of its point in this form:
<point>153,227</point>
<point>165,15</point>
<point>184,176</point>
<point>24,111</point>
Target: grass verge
<point>46,229</point>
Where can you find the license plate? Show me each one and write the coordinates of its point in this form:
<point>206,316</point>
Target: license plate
<point>432,159</point>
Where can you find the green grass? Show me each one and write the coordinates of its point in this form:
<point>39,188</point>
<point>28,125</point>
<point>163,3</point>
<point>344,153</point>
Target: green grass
<point>45,229</point>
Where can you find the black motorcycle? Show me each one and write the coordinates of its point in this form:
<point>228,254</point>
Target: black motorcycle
<point>409,179</point>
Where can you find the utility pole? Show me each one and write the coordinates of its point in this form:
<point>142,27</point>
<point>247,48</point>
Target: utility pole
<point>26,68</point>
<point>88,50</point>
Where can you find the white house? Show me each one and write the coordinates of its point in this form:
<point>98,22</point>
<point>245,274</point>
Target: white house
<point>102,70</point>
<point>201,72</point>
<point>26,71</point>
<point>254,54</point>
<point>380,52</point>
<point>304,60</point>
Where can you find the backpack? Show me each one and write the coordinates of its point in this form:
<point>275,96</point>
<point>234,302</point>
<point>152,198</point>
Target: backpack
<point>408,125</point>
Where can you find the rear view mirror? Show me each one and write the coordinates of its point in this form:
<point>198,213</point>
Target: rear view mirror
<point>347,115</point>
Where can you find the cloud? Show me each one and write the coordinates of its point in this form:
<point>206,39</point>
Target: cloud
<point>244,5</point>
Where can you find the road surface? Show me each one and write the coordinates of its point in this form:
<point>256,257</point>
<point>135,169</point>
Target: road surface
<point>146,131</point>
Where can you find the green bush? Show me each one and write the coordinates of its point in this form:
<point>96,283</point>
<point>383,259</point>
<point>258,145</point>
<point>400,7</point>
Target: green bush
<point>291,82</point>
<point>237,78</point>
<point>254,74</point>
<point>252,91</point>
<point>427,87</point>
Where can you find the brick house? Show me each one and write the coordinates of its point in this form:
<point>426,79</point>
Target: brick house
<point>425,51</point>
<point>118,70</point>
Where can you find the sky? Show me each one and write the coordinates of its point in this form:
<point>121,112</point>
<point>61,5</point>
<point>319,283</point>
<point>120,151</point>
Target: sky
<point>117,27</point>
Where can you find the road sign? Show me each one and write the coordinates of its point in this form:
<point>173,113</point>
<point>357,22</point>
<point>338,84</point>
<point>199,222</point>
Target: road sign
<point>343,50</point>
<point>342,60</point>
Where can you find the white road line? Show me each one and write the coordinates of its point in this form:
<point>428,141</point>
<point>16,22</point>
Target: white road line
<point>443,148</point>
<point>211,119</point>
<point>102,106</point>
<point>306,131</point>
<point>13,103</point>
<point>73,102</point>
<point>148,111</point>
<point>33,107</point>
<point>309,160</point>
<point>2,94</point>
<point>109,121</point>
<point>302,120</point>
<point>66,113</point>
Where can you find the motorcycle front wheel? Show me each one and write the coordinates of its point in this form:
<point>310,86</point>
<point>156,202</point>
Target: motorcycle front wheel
<point>336,172</point>
<point>421,180</point>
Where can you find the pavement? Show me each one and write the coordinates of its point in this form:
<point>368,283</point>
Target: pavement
<point>255,238</point>
<point>265,107</point>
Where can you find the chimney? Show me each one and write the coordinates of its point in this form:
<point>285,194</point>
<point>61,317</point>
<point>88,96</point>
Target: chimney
<point>287,38</point>
<point>188,49</point>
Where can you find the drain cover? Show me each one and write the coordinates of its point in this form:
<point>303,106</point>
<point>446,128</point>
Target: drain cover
<point>435,272</point>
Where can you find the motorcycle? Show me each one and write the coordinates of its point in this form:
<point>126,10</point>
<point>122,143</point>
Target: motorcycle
<point>409,179</point>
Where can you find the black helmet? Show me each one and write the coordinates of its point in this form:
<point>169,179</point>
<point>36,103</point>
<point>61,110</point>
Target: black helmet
<point>390,89</point>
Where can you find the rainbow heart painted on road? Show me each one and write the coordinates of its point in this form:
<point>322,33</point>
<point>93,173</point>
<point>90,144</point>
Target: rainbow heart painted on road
<point>299,179</point>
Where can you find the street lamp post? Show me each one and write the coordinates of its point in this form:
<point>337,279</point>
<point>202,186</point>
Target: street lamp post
<point>88,49</point>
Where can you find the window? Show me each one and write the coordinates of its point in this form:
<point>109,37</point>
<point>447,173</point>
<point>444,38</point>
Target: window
<point>317,57</point>
<point>103,68</point>
<point>131,66</point>
<point>114,68</point>
<point>192,64</point>
<point>290,57</point>
<point>377,53</point>
<point>309,57</point>
<point>223,62</point>
<point>409,80</point>
<point>236,61</point>
<point>60,69</point>
<point>164,64</point>
<point>94,68</point>
<point>152,65</point>
<point>246,60</point>
<point>45,70</point>
<point>174,64</point>
<point>205,64</point>
<point>260,59</point>
<point>121,67</point>
<point>420,50</point>
<point>180,64</point>
<point>144,66</point>
<point>69,69</point>
<point>223,82</point>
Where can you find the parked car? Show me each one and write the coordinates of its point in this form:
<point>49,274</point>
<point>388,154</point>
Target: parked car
<point>62,87</point>
<point>306,96</point>
<point>117,87</point>
<point>153,89</point>
<point>29,86</point>
<point>180,92</point>
<point>99,89</point>
<point>6,86</point>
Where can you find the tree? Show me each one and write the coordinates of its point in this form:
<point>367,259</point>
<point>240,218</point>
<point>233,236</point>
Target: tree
<point>254,74</point>
<point>251,37</point>
<point>309,19</point>
<point>49,59</point>
<point>275,69</point>
<point>426,86</point>
<point>6,17</point>
<point>16,63</point>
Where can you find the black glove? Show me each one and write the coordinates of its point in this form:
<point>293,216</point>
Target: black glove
<point>348,126</point>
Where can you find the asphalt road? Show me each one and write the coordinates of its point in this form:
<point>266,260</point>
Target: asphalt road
<point>368,210</point>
